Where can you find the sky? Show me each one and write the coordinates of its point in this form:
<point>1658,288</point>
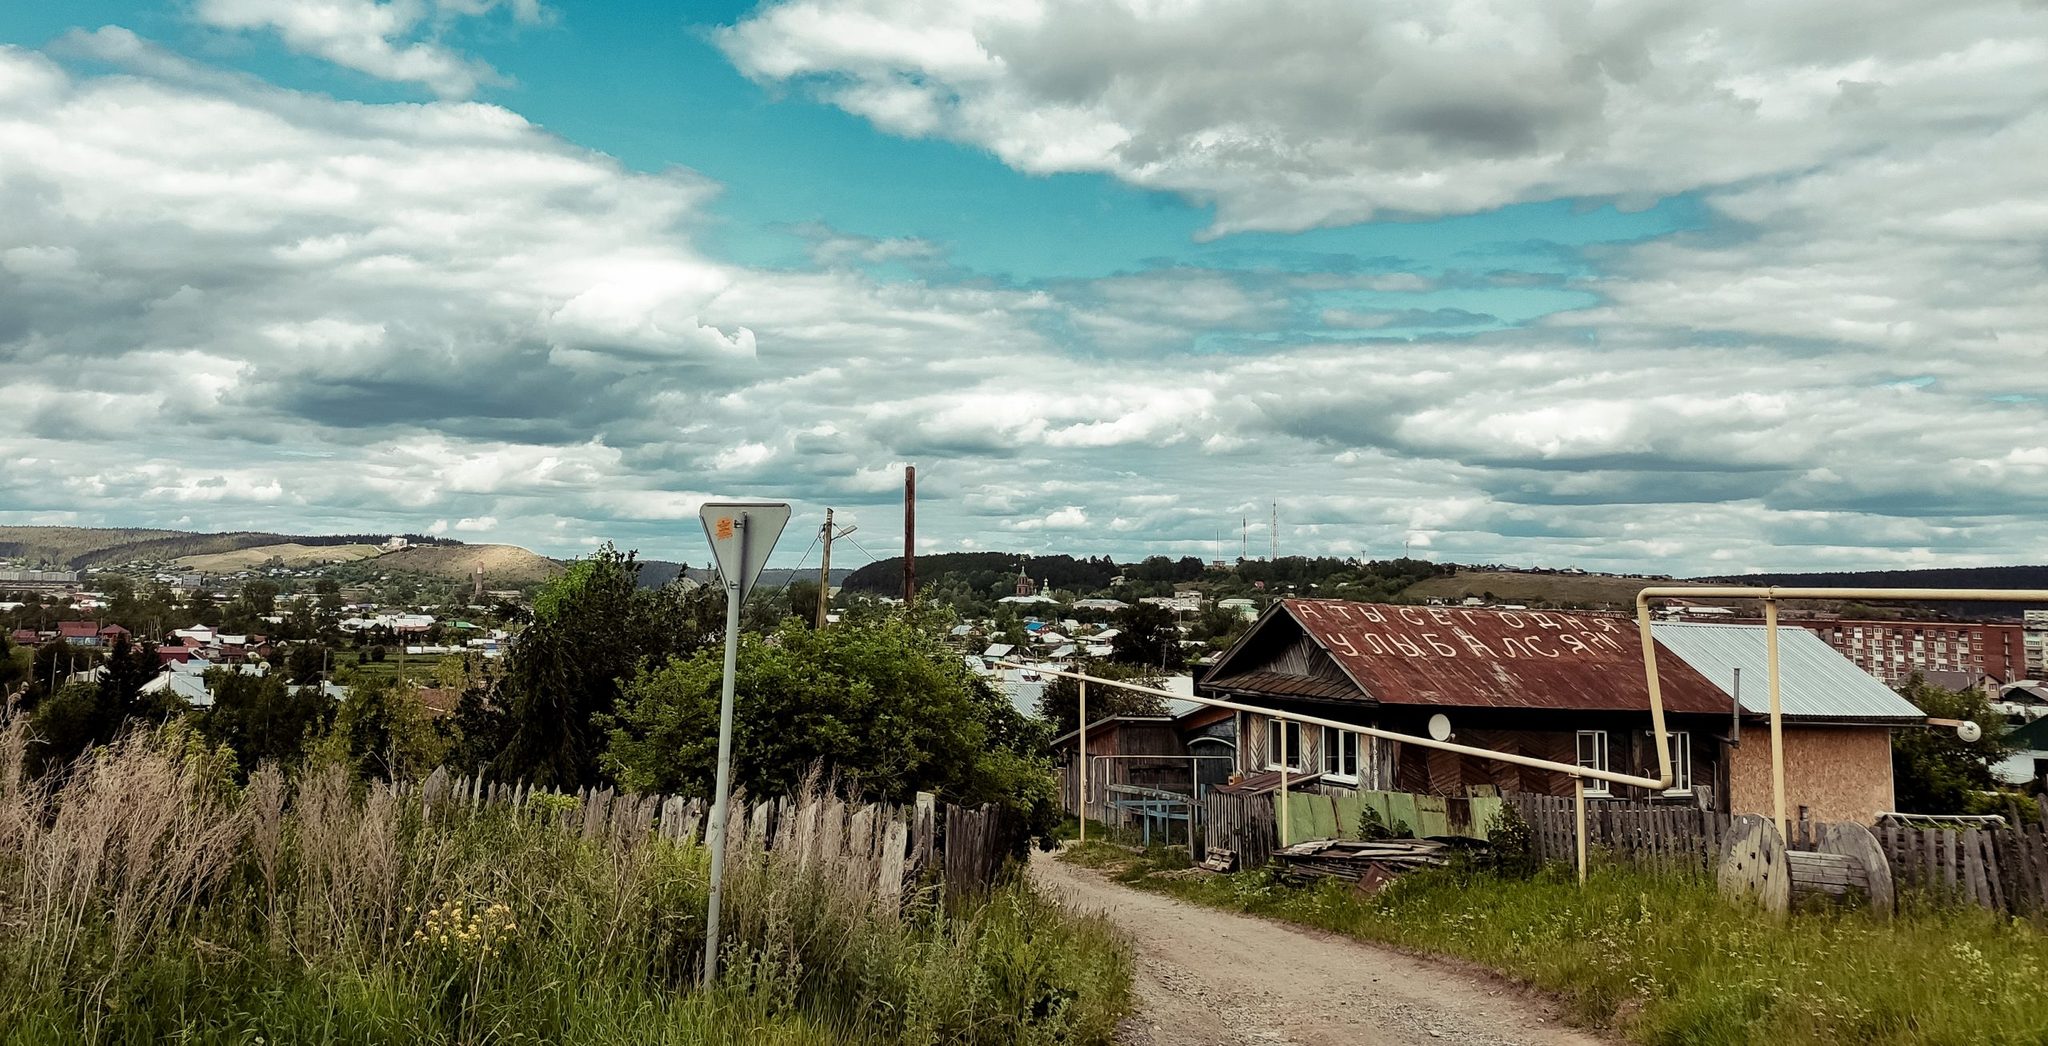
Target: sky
<point>1658,286</point>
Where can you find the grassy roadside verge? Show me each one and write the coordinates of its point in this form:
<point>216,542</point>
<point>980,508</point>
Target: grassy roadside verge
<point>1663,959</point>
<point>149,898</point>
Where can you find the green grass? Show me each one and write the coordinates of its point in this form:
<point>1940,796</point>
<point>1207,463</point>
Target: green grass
<point>149,900</point>
<point>1664,959</point>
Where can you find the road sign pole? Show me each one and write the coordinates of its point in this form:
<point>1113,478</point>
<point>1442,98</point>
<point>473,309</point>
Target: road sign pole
<point>722,796</point>
<point>742,534</point>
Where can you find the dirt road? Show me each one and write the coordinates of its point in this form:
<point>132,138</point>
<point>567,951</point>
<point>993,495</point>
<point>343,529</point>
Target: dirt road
<point>1208,977</point>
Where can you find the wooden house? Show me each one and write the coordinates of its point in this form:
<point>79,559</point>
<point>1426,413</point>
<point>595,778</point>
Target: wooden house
<point>1559,686</point>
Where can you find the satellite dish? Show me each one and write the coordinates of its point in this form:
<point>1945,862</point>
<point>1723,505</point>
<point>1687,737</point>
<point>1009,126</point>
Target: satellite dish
<point>1969,732</point>
<point>1440,727</point>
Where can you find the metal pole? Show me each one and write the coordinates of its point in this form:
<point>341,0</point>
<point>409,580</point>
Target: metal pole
<point>909,535</point>
<point>1365,731</point>
<point>1281,726</point>
<point>1579,807</point>
<point>825,573</point>
<point>721,797</point>
<point>1084,760</point>
<point>1777,721</point>
<point>1664,777</point>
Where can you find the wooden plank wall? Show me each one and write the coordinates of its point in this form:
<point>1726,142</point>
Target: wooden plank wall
<point>873,849</point>
<point>1241,823</point>
<point>2004,869</point>
<point>1663,835</point>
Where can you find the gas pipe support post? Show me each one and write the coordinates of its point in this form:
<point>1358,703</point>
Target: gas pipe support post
<point>1281,725</point>
<point>1777,721</point>
<point>1084,760</point>
<point>1579,811</point>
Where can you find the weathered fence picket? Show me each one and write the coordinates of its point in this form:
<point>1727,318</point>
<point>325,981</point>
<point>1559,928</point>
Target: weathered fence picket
<point>872,849</point>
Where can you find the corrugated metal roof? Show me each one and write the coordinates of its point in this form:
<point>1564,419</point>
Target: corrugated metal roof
<point>1455,657</point>
<point>1291,685</point>
<point>1814,682</point>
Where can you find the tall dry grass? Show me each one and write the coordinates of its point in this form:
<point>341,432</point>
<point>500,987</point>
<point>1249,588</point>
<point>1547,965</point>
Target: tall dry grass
<point>144,896</point>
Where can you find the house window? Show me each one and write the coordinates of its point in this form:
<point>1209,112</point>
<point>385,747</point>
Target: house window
<point>1290,731</point>
<point>1340,755</point>
<point>1681,764</point>
<point>1593,756</point>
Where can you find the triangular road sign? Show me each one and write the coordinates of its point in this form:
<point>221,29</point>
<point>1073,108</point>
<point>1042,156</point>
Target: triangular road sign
<point>742,534</point>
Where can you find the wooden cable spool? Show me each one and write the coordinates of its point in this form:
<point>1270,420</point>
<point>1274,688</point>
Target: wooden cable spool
<point>1845,867</point>
<point>1753,864</point>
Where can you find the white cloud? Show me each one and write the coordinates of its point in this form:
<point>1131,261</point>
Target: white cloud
<point>372,37</point>
<point>1316,112</point>
<point>240,306</point>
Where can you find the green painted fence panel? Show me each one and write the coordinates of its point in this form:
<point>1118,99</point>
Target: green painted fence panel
<point>1484,810</point>
<point>1336,816</point>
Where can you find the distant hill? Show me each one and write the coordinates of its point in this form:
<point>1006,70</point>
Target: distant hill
<point>980,571</point>
<point>290,554</point>
<point>1592,591</point>
<point>82,547</point>
<point>655,573</point>
<point>1933,577</point>
<point>505,566</point>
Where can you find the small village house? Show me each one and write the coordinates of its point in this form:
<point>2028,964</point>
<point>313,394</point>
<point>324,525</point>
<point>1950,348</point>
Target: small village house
<point>1838,720</point>
<point>1560,686</point>
<point>1563,687</point>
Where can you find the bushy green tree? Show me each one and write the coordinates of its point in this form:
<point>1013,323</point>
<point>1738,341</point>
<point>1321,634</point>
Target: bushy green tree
<point>383,731</point>
<point>90,707</point>
<point>592,628</point>
<point>14,668</point>
<point>877,700</point>
<point>1936,772</point>
<point>1148,634</point>
<point>263,719</point>
<point>1059,704</point>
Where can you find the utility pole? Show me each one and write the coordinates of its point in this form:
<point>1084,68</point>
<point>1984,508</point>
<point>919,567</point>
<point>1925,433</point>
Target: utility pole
<point>1274,553</point>
<point>909,536</point>
<point>825,572</point>
<point>825,568</point>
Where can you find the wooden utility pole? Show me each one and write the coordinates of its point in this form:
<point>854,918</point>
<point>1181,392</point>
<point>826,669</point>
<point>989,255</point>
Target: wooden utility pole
<point>825,568</point>
<point>910,535</point>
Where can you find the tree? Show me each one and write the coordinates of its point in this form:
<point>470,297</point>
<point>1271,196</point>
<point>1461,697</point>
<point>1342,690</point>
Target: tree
<point>83,712</point>
<point>1148,635</point>
<point>1059,702</point>
<point>801,597</point>
<point>306,663</point>
<point>1933,770</point>
<point>261,718</point>
<point>383,732</point>
<point>592,628</point>
<point>878,700</point>
<point>128,667</point>
<point>14,668</point>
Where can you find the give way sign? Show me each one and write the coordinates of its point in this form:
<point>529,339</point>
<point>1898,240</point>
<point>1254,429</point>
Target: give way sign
<point>742,534</point>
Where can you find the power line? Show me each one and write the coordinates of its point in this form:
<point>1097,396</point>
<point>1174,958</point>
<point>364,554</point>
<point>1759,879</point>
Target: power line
<point>872,558</point>
<point>799,568</point>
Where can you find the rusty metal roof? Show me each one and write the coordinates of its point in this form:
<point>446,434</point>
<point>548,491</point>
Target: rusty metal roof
<point>1292,685</point>
<point>1457,657</point>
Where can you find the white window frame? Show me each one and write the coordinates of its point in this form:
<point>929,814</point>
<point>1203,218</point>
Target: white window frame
<point>1273,734</point>
<point>1336,744</point>
<point>1681,763</point>
<point>1594,786</point>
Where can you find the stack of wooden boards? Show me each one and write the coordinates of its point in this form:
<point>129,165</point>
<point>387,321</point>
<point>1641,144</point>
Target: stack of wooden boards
<point>1356,860</point>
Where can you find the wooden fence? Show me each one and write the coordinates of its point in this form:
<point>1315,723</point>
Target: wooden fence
<point>1659,834</point>
<point>1240,823</point>
<point>2004,869</point>
<point>873,849</point>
